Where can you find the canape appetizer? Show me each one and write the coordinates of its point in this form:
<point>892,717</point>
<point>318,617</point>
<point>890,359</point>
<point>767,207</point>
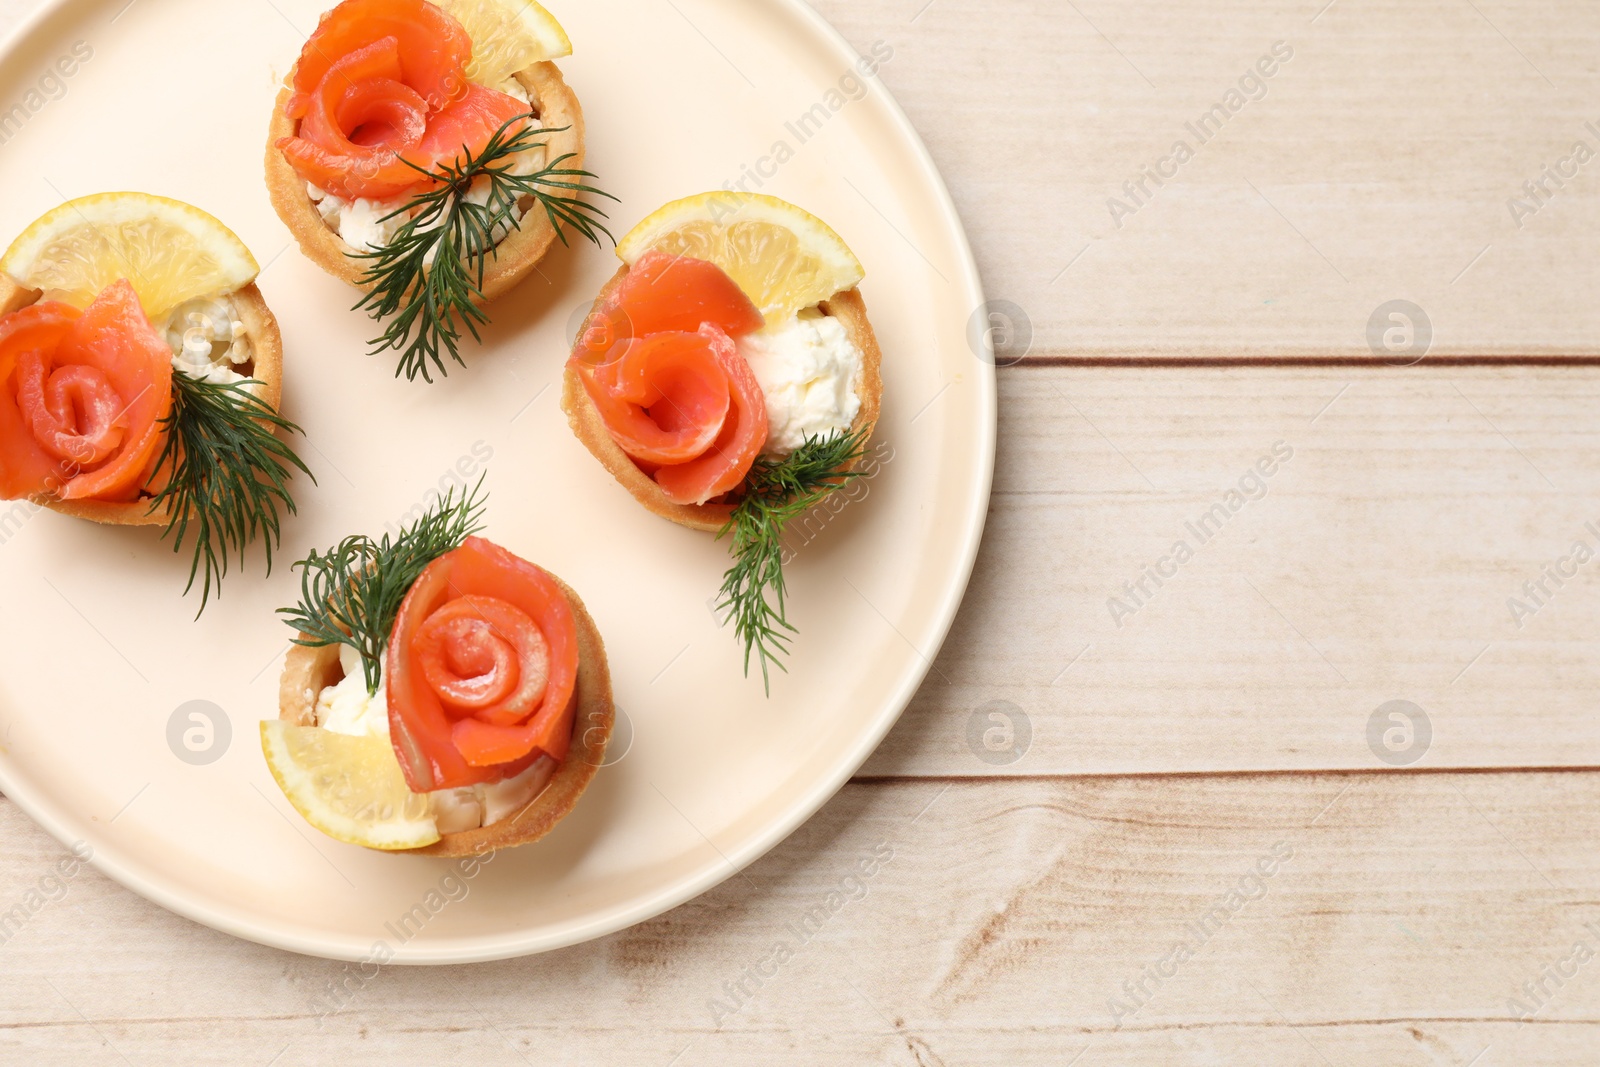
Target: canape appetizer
<point>443,696</point>
<point>140,377</point>
<point>429,153</point>
<point>728,377</point>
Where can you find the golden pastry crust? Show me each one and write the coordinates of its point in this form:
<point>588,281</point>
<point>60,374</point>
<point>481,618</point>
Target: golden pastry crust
<point>14,296</point>
<point>266,342</point>
<point>515,256</point>
<point>308,671</point>
<point>590,428</point>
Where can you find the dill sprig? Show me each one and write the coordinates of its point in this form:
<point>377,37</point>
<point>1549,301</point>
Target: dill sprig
<point>775,492</point>
<point>428,280</point>
<point>351,594</point>
<point>229,474</point>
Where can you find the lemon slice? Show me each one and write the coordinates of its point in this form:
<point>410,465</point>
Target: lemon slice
<point>784,259</point>
<point>507,36</point>
<point>170,251</point>
<point>350,788</point>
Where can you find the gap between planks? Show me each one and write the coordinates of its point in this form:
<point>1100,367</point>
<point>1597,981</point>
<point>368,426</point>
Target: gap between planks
<point>1307,772</point>
<point>1030,362</point>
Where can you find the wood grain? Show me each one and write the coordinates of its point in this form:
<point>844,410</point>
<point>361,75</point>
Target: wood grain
<point>1378,165</point>
<point>1415,910</point>
<point>1407,912</point>
<point>1379,565</point>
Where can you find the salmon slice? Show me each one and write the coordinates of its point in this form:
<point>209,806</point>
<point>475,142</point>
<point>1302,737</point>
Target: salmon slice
<point>663,292</point>
<point>467,124</point>
<point>433,48</point>
<point>82,398</point>
<point>723,466</point>
<point>361,116</point>
<point>382,83</point>
<point>695,431</point>
<point>115,339</point>
<point>661,366</point>
<point>27,469</point>
<point>460,713</point>
<point>363,109</point>
<point>75,412</point>
<point>665,399</point>
<point>485,659</point>
<point>354,171</point>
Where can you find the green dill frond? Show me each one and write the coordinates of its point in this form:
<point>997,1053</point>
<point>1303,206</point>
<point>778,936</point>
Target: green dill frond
<point>776,492</point>
<point>351,594</point>
<point>228,474</point>
<point>427,282</point>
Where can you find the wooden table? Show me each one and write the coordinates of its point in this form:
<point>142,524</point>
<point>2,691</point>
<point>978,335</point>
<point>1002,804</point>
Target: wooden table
<point>1224,844</point>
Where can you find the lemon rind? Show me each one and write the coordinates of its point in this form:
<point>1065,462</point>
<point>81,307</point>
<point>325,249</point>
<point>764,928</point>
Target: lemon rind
<point>391,836</point>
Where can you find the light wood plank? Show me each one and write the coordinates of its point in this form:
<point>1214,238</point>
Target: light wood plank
<point>1378,566</point>
<point>1409,910</point>
<point>1378,166</point>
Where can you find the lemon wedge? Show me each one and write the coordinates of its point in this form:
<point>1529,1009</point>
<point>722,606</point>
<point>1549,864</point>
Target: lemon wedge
<point>170,251</point>
<point>785,259</point>
<point>507,36</point>
<point>350,788</point>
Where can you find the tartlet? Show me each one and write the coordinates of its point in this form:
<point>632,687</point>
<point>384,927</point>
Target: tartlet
<point>443,697</point>
<point>311,670</point>
<point>587,425</point>
<point>265,365</point>
<point>519,26</point>
<point>141,372</point>
<point>729,378</point>
<point>555,106</point>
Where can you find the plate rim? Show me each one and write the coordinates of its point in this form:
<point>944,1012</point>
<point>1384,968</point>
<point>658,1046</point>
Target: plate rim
<point>488,948</point>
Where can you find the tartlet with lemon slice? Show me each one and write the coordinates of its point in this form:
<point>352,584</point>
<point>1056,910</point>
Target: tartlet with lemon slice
<point>443,695</point>
<point>729,378</point>
<point>430,154</point>
<point>140,377</point>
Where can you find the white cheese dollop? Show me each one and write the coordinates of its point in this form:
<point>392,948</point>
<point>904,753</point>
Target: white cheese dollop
<point>208,340</point>
<point>362,224</point>
<point>468,808</point>
<point>346,708</point>
<point>512,87</point>
<point>808,369</point>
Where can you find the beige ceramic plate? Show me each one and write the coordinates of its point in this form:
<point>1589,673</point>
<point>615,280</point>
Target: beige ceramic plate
<point>99,655</point>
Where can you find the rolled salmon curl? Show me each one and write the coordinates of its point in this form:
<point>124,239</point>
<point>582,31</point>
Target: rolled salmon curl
<point>82,399</point>
<point>433,48</point>
<point>364,97</point>
<point>659,362</point>
<point>481,669</point>
<point>665,293</point>
<point>351,170</point>
<point>666,398</point>
<point>686,408</point>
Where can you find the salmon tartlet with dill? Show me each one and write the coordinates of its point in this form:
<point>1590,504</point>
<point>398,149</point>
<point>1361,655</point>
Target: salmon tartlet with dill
<point>728,377</point>
<point>430,154</point>
<point>443,695</point>
<point>140,377</point>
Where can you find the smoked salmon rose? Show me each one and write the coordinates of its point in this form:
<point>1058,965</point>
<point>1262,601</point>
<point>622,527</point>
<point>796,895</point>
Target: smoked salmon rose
<point>385,87</point>
<point>82,399</point>
<point>140,376</point>
<point>729,379</point>
<point>481,668</point>
<point>444,696</point>
<point>380,84</point>
<point>661,367</point>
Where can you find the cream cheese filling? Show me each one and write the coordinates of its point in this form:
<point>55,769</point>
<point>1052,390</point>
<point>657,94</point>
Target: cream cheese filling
<point>209,341</point>
<point>809,371</point>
